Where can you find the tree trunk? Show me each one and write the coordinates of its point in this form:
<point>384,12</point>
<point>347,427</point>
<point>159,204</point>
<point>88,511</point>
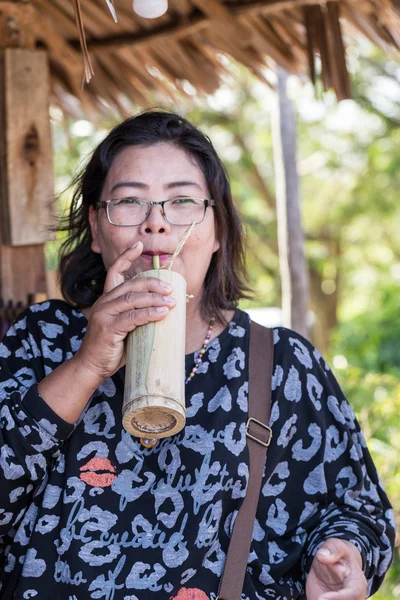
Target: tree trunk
<point>324,304</point>
<point>290,233</point>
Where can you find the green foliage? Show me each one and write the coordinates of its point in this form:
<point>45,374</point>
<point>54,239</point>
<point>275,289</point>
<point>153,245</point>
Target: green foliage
<point>370,340</point>
<point>376,400</point>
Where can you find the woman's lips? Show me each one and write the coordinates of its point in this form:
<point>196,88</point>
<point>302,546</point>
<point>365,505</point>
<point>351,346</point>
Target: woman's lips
<point>148,258</point>
<point>98,472</point>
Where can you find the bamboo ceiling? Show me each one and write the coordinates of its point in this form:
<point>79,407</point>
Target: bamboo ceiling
<point>135,56</point>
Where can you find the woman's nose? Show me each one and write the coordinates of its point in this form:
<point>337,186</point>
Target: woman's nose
<point>155,221</point>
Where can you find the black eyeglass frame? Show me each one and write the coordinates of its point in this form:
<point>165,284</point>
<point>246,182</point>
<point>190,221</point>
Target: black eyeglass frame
<point>106,203</point>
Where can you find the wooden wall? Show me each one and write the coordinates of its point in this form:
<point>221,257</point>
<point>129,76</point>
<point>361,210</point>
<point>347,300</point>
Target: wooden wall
<point>26,173</point>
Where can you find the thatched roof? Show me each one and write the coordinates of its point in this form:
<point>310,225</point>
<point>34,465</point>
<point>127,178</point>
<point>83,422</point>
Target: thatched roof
<point>135,56</point>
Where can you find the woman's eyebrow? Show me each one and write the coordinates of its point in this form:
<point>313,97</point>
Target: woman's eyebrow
<point>181,184</point>
<point>143,186</point>
<point>134,184</point>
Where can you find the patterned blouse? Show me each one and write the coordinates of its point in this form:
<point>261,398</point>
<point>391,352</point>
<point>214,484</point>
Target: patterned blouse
<point>87,512</point>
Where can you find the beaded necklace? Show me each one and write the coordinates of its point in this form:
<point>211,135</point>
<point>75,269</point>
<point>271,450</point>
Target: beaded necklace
<point>199,359</point>
<point>150,442</point>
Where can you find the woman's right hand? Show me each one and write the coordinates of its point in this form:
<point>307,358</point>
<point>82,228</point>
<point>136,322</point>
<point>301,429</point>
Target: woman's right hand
<point>124,305</point>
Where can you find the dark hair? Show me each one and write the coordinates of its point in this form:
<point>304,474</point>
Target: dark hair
<point>82,272</point>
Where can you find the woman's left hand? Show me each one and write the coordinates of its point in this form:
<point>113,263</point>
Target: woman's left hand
<point>336,573</point>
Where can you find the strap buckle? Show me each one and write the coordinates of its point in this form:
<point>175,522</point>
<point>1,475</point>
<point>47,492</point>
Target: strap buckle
<point>263,426</point>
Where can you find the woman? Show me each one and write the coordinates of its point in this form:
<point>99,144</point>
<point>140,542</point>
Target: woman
<point>87,510</point>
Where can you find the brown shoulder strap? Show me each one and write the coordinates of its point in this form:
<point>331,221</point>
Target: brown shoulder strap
<point>258,438</point>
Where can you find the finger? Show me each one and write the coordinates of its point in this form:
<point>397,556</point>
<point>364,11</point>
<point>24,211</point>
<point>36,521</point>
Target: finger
<point>138,285</point>
<point>131,300</point>
<point>116,273</point>
<point>339,570</point>
<point>130,319</point>
<point>331,566</point>
<point>331,575</point>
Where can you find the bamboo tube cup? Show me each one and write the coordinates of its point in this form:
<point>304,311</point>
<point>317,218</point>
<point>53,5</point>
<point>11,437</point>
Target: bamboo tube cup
<point>154,394</point>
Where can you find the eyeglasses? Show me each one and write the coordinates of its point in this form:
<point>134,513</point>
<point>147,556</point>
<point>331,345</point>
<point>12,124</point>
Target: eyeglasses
<point>127,212</point>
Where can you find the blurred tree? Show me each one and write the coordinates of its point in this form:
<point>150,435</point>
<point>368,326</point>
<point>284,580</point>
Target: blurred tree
<point>293,266</point>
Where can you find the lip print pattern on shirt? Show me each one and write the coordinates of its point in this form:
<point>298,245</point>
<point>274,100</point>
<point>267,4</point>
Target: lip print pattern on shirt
<point>98,472</point>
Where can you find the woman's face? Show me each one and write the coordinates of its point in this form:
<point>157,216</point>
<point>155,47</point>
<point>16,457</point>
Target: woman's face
<point>158,172</point>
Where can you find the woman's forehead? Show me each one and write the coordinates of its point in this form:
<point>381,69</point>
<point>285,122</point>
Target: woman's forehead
<point>159,163</point>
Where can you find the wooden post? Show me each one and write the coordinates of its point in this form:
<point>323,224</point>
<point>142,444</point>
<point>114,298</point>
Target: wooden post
<point>26,165</point>
<point>290,233</point>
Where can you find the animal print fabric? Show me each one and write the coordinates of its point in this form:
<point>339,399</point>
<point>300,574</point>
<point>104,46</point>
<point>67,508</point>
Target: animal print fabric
<point>87,512</point>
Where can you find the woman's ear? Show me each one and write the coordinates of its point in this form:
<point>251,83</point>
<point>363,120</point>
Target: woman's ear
<point>93,215</point>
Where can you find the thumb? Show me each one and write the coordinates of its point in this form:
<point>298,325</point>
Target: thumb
<point>332,557</point>
<point>331,551</point>
<point>328,567</point>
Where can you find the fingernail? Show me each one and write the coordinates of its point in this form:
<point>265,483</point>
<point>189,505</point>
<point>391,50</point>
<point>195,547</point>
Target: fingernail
<point>135,245</point>
<point>169,299</point>
<point>161,309</point>
<point>325,551</point>
<point>165,285</point>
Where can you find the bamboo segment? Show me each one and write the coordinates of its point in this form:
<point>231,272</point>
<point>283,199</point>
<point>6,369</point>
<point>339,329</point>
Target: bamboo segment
<point>154,395</point>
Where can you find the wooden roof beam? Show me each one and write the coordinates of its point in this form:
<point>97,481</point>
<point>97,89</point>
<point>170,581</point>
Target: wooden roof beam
<point>183,27</point>
<point>177,29</point>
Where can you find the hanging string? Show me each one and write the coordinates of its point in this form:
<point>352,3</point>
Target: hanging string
<point>168,264</point>
<point>88,68</point>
